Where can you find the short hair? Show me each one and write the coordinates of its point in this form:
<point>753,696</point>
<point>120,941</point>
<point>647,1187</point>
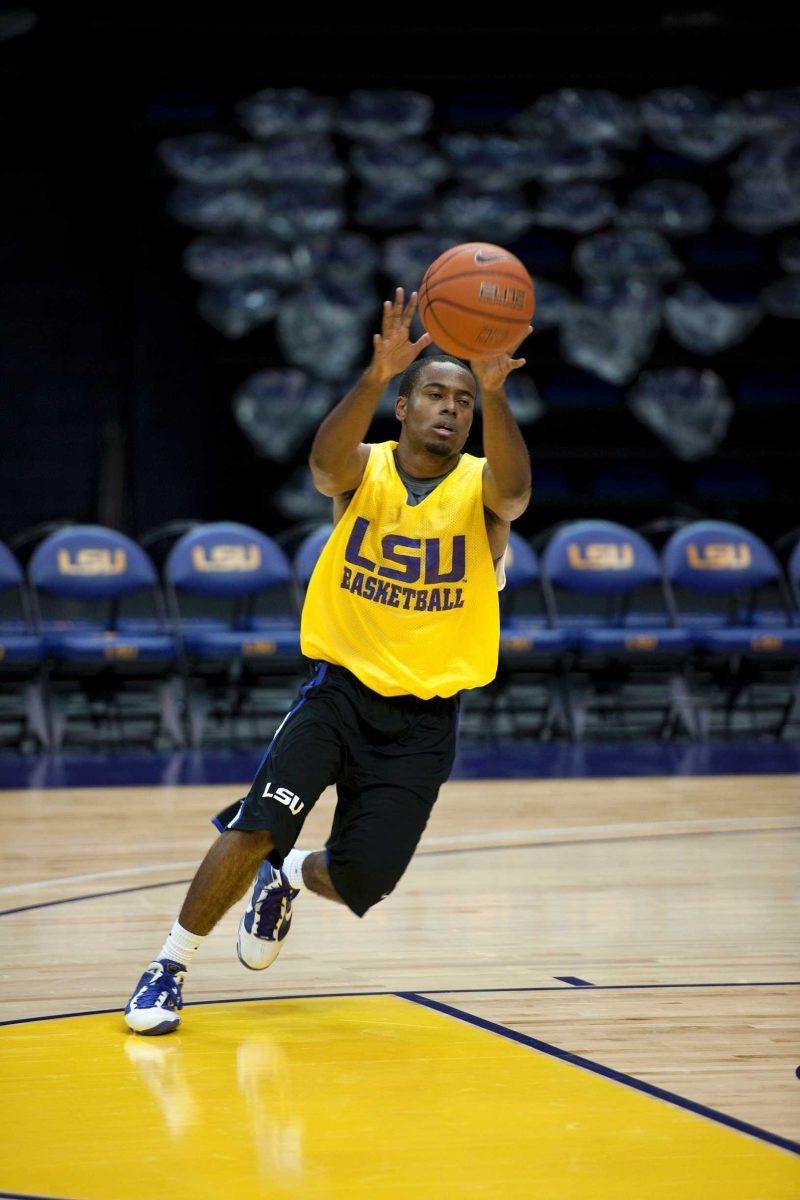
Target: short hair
<point>408,380</point>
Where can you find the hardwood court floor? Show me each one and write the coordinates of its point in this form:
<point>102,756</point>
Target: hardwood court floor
<point>673,899</point>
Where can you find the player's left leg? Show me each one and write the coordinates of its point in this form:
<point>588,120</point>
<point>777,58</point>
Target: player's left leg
<point>309,869</point>
<point>377,836</point>
<point>385,796</point>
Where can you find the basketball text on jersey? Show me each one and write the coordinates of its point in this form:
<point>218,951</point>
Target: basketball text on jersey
<point>416,599</point>
<point>405,596</point>
<point>409,561</point>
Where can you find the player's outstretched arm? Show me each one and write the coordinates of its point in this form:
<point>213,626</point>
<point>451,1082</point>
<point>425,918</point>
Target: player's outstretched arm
<point>507,474</point>
<point>338,454</point>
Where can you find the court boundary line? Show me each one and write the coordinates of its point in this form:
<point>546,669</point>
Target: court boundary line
<point>602,841</point>
<point>139,887</point>
<point>567,989</point>
<point>119,873</point>
<point>32,1196</point>
<point>587,1064</point>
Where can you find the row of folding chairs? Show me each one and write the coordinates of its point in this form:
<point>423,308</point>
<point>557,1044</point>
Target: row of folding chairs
<point>702,639</point>
<point>599,635</point>
<point>93,638</point>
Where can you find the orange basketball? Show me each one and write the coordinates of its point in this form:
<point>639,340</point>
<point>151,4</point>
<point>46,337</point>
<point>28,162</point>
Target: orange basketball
<point>476,300</point>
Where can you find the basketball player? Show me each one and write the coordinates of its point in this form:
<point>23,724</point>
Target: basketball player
<point>401,614</point>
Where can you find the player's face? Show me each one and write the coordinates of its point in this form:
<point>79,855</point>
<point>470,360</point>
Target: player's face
<point>438,413</point>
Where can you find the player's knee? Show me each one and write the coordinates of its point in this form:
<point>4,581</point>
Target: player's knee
<point>360,885</point>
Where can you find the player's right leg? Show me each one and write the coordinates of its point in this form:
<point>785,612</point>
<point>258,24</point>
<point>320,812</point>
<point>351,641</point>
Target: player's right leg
<point>257,834</point>
<point>221,879</point>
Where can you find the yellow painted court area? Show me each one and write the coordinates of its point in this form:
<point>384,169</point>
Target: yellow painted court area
<point>366,1097</point>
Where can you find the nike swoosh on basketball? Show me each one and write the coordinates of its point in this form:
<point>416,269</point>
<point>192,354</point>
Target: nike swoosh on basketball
<point>480,257</point>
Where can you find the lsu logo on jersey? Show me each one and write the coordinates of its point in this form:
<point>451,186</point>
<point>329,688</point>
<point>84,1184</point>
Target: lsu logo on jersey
<point>409,560</point>
<point>93,560</point>
<point>406,561</point>
<point>600,556</point>
<point>224,558</point>
<point>719,556</point>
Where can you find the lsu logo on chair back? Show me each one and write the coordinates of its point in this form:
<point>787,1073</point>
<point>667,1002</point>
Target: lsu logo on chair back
<point>601,556</point>
<point>92,560</point>
<point>224,558</point>
<point>719,556</point>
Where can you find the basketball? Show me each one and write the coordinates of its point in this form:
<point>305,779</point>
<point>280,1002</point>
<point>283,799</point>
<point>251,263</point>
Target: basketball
<point>476,300</point>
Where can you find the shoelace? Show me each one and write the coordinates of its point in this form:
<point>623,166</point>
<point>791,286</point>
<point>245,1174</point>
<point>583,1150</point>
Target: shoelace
<point>169,982</point>
<point>271,909</point>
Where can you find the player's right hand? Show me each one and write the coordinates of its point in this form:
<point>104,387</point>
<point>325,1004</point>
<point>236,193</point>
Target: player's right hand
<point>392,348</point>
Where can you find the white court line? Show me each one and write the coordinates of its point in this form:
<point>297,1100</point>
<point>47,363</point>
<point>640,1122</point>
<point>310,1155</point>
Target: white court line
<point>122,873</point>
<point>553,834</point>
<point>651,828</point>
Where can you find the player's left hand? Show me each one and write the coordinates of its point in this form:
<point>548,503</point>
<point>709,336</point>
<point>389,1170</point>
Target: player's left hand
<point>491,373</point>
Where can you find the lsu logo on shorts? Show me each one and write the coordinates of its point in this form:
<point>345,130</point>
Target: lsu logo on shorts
<point>284,796</point>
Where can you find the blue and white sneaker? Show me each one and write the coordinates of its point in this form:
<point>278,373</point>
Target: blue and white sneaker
<point>155,1005</point>
<point>267,919</point>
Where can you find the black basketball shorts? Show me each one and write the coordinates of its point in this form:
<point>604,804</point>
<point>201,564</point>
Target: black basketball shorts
<point>388,757</point>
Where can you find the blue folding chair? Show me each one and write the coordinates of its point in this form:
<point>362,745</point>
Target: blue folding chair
<point>22,681</point>
<point>526,624</point>
<point>627,670</point>
<point>793,572</point>
<point>231,591</point>
<point>528,695</point>
<point>307,553</point>
<point>726,587</point>
<point>113,659</point>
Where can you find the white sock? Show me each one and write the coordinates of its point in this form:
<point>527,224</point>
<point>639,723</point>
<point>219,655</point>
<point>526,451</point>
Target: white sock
<point>181,945</point>
<point>293,867</point>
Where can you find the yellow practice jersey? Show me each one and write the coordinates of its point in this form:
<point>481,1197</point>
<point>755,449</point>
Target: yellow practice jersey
<point>405,596</point>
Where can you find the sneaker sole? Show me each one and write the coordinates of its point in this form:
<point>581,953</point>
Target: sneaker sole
<point>246,964</point>
<point>156,1030</point>
<point>250,966</point>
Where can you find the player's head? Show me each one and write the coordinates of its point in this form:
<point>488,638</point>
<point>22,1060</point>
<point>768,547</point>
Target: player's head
<point>436,394</point>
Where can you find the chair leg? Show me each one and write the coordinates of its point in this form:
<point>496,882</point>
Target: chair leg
<point>575,696</point>
<point>702,720</point>
<point>791,709</point>
<point>554,720</point>
<point>564,697</point>
<point>198,704</point>
<point>682,705</point>
<point>36,712</point>
<point>58,720</point>
<point>170,711</point>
